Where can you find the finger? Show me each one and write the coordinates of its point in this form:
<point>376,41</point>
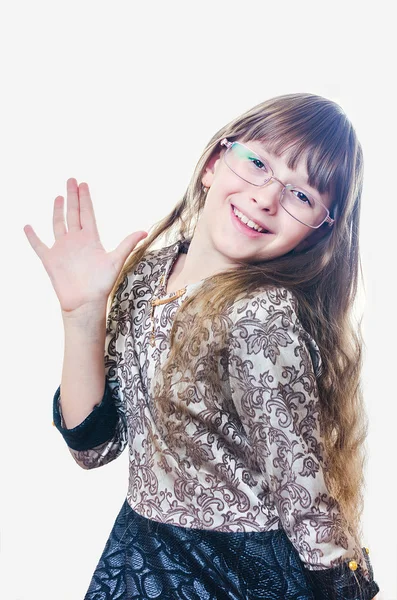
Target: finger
<point>124,249</point>
<point>35,242</point>
<point>73,207</point>
<point>58,218</point>
<point>87,215</point>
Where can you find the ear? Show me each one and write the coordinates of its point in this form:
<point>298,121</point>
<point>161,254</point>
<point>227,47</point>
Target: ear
<point>312,239</point>
<point>210,168</point>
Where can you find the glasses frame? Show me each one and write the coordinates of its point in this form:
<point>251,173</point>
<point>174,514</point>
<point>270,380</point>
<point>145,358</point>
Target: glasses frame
<point>229,145</point>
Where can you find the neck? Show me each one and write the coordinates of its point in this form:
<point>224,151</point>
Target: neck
<point>201,260</point>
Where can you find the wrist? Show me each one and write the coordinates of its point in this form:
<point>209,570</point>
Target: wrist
<point>88,318</point>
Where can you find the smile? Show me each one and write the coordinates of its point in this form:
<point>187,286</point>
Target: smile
<point>243,228</point>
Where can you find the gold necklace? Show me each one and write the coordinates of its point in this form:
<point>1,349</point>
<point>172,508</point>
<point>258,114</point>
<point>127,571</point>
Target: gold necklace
<point>159,301</point>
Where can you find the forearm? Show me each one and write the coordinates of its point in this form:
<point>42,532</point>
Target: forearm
<point>83,372</point>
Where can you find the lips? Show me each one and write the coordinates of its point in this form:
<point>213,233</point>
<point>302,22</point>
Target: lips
<point>260,223</point>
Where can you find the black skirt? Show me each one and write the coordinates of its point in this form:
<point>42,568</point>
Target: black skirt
<point>144,559</point>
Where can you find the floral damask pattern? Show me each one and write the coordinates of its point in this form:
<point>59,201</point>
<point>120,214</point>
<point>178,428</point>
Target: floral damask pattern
<point>245,456</point>
<point>273,387</point>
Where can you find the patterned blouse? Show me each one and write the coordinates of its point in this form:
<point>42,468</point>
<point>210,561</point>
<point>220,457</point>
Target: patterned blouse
<point>243,456</point>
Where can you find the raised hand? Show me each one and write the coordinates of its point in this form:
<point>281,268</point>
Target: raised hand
<point>81,271</point>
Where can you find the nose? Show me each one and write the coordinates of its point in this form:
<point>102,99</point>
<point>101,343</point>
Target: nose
<point>268,196</point>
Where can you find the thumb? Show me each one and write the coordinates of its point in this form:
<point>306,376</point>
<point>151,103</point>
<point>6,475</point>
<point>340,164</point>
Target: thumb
<point>125,248</point>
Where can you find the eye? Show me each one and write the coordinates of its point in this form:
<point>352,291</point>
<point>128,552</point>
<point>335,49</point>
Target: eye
<point>301,196</point>
<point>257,162</point>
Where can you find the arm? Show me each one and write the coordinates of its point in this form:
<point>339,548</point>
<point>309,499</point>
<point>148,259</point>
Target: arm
<point>90,413</point>
<point>273,364</point>
<point>83,373</point>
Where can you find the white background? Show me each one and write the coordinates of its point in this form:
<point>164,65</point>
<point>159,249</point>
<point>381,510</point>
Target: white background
<point>124,96</point>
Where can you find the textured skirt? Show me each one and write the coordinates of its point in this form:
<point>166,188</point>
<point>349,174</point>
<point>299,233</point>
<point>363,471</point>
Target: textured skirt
<point>144,559</point>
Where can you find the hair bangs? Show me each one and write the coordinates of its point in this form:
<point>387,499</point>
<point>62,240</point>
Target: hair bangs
<point>316,132</point>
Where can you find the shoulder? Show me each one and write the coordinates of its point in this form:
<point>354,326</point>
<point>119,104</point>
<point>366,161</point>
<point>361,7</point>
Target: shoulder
<point>267,323</point>
<point>262,305</point>
<point>156,256</point>
<point>150,263</point>
<point>140,275</point>
<point>162,253</point>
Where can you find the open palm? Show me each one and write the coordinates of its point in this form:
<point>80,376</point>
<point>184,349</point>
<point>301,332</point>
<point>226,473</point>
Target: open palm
<point>81,271</point>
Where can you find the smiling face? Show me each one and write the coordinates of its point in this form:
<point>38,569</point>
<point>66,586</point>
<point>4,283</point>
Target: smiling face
<point>261,204</point>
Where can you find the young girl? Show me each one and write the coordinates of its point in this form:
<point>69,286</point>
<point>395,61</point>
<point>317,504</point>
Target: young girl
<point>232,368</point>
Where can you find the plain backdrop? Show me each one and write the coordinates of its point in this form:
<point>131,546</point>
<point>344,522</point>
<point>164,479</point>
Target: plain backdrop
<point>124,96</point>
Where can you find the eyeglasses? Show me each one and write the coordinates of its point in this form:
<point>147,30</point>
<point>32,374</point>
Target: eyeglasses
<point>295,201</point>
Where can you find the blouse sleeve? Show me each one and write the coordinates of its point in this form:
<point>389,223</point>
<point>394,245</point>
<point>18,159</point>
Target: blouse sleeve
<point>273,365</point>
<point>102,436</point>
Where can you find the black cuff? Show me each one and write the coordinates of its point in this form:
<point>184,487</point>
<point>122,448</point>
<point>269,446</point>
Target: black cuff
<point>98,427</point>
<point>341,582</point>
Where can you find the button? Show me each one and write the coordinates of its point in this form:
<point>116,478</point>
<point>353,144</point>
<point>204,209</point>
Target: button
<point>367,550</point>
<point>353,565</point>
<point>53,423</point>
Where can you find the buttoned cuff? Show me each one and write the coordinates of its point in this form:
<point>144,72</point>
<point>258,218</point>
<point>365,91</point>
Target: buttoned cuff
<point>344,581</point>
<point>98,427</point>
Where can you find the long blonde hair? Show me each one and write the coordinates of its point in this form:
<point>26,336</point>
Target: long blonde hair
<point>324,278</point>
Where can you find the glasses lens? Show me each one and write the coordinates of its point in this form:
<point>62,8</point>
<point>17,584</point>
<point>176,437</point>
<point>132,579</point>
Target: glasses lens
<point>303,207</point>
<point>247,164</point>
<point>298,203</point>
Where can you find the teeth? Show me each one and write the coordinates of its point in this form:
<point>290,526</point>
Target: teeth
<point>247,221</point>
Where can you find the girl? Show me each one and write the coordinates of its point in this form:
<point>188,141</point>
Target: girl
<point>231,368</point>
